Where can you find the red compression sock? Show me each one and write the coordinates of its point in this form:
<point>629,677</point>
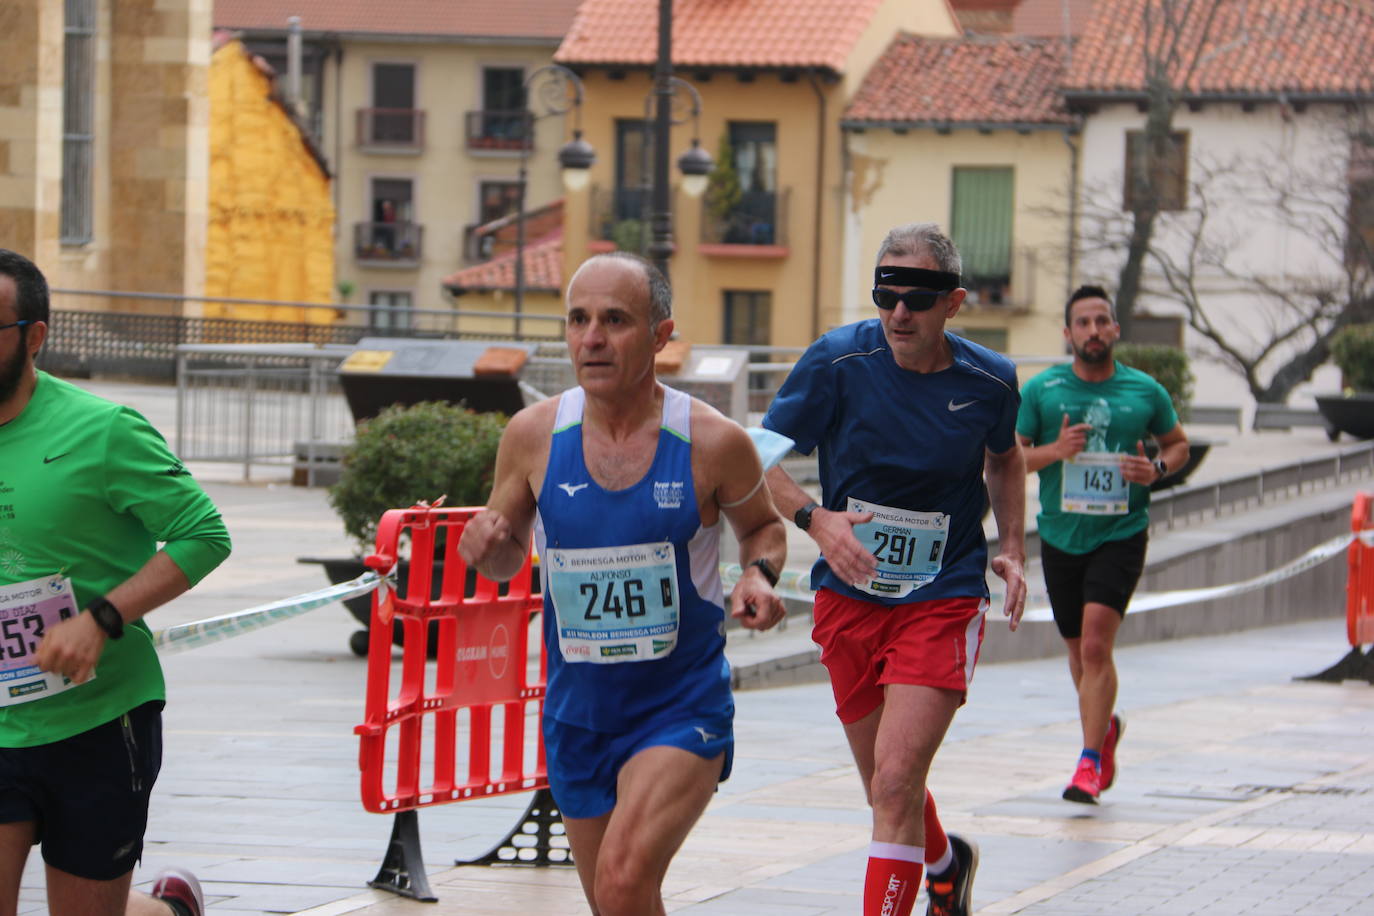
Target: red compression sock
<point>937,844</point>
<point>894,876</point>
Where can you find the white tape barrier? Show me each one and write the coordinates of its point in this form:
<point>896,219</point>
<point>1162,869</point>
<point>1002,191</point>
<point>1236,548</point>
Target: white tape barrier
<point>203,632</point>
<point>796,583</point>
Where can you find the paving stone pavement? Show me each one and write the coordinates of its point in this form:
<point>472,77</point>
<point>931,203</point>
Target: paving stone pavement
<point>1241,791</point>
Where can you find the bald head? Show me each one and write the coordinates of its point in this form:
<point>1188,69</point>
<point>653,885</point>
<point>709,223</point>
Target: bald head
<point>653,289</point>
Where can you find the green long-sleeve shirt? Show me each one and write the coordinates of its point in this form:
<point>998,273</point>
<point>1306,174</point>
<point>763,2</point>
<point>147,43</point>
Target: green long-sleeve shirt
<point>88,488</point>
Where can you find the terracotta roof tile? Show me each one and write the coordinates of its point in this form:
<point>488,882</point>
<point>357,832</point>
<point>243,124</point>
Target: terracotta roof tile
<point>456,18</point>
<point>976,80</point>
<point>1045,18</point>
<point>1301,47</point>
<point>543,268</point>
<point>719,33</point>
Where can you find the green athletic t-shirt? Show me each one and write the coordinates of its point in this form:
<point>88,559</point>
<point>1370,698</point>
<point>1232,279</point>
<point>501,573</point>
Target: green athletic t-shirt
<point>1125,409</point>
<point>87,489</point>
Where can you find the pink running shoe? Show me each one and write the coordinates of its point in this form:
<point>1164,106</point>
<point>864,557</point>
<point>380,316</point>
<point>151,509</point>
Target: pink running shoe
<point>1115,729</point>
<point>1085,785</point>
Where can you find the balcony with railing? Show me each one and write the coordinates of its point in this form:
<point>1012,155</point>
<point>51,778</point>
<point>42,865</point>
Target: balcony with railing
<point>619,216</point>
<point>391,130</point>
<point>1003,280</point>
<point>397,244</point>
<point>756,226</point>
<point>499,131</point>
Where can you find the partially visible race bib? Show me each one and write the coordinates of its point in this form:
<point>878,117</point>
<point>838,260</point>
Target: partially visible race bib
<point>27,611</point>
<point>615,604</point>
<point>1092,485</point>
<point>909,547</point>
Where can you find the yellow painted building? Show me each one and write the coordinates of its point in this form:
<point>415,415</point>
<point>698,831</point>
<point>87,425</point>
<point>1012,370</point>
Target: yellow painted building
<point>416,107</point>
<point>971,134</point>
<point>271,215</point>
<point>774,78</point>
<point>104,139</point>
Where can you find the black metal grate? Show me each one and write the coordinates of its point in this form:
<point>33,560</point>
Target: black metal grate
<point>144,346</point>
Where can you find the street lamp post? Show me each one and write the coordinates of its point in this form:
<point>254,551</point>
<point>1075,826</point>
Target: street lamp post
<point>695,164</point>
<point>550,90</point>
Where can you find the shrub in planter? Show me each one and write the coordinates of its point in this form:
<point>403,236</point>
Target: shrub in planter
<point>408,454</point>
<point>1166,365</point>
<point>400,457</point>
<point>1352,411</point>
<point>1353,351</point>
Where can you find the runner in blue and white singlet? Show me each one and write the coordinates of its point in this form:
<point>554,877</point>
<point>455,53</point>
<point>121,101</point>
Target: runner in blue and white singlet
<point>609,607</point>
<point>622,483</point>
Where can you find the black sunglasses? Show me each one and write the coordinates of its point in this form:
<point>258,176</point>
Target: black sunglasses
<point>916,300</point>
<point>14,324</point>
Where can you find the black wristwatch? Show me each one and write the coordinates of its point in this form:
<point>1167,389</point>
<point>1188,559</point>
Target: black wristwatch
<point>107,617</point>
<point>1161,467</point>
<point>767,569</point>
<point>803,516</point>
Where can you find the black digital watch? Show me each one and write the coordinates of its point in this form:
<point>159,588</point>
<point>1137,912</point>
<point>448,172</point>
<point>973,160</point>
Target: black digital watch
<point>107,617</point>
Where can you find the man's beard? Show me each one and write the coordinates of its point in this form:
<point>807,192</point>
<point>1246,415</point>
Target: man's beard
<point>1102,355</point>
<point>12,373</point>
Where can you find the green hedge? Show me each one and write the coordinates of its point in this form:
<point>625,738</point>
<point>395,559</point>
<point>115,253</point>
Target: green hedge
<point>1353,350</point>
<point>408,454</point>
<point>1166,365</point>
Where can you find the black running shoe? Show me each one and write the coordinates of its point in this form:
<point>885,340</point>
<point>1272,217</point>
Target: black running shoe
<point>955,896</point>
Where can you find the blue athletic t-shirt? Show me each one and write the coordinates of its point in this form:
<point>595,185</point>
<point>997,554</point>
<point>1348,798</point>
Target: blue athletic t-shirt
<point>902,439</point>
<point>611,686</point>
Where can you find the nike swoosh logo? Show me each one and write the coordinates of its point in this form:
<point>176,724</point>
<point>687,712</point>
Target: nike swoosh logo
<point>953,406</point>
<point>706,736</point>
<point>570,489</point>
<point>55,457</point>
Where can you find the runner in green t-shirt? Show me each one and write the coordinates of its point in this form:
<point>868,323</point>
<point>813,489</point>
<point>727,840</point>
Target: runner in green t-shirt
<point>1083,426</point>
<point>88,489</point>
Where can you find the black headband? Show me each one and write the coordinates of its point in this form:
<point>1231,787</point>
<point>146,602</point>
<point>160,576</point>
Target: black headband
<point>888,275</point>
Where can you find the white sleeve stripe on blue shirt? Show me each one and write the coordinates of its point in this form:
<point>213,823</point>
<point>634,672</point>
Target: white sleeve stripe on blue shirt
<point>857,353</point>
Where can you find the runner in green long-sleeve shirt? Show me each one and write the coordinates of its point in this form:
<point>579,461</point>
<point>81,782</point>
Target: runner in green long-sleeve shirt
<point>88,490</point>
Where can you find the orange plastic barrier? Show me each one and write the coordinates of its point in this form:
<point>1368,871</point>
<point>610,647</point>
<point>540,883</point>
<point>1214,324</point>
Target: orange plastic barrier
<point>1359,586</point>
<point>480,668</point>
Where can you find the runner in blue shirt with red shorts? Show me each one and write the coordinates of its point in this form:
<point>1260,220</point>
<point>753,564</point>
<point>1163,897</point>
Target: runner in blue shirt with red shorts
<point>906,417</point>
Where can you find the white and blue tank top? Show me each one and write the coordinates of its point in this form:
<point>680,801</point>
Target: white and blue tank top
<point>634,617</point>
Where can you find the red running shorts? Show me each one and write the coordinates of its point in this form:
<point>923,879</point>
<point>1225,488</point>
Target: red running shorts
<point>865,646</point>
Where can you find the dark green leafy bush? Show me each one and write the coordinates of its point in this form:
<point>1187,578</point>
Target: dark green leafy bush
<point>408,454</point>
<point>1353,350</point>
<point>1166,365</point>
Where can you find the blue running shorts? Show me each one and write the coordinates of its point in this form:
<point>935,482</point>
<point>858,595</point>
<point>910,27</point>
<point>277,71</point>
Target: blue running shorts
<point>584,764</point>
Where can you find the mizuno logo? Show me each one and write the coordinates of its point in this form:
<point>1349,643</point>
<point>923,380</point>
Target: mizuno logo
<point>571,489</point>
<point>706,737</point>
<point>55,457</point>
<point>954,406</point>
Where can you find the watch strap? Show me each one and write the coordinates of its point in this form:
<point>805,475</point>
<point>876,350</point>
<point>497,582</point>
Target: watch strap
<point>767,569</point>
<point>802,517</point>
<point>107,617</point>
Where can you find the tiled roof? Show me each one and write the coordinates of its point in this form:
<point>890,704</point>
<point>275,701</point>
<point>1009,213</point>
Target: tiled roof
<point>1299,47</point>
<point>1045,18</point>
<point>719,33</point>
<point>455,18</point>
<point>985,81</point>
<point>543,269</point>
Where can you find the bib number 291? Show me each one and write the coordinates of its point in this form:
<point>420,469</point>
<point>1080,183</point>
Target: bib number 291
<point>900,550</point>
